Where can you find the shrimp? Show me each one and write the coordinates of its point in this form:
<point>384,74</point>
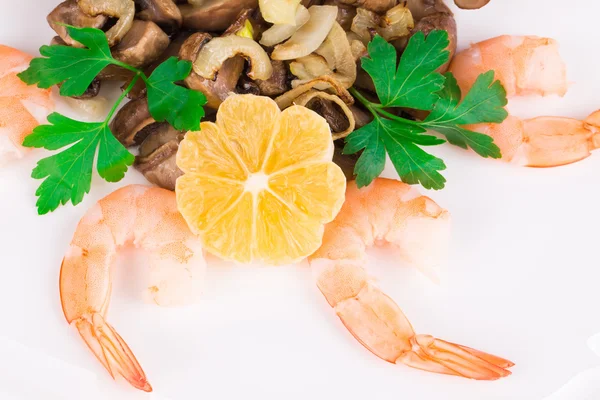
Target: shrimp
<point>528,65</point>
<point>148,219</point>
<point>391,212</point>
<point>22,107</point>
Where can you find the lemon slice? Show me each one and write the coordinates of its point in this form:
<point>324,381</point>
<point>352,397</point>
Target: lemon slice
<point>259,184</point>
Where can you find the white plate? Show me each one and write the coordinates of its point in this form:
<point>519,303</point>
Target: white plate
<point>522,281</point>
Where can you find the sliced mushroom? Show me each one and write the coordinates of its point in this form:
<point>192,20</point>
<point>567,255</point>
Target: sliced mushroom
<point>227,77</point>
<point>423,8</point>
<point>157,157</point>
<point>143,44</point>
<point>397,22</point>
<point>115,73</point>
<point>278,83</point>
<point>91,91</point>
<point>124,10</point>
<point>213,54</point>
<point>471,4</point>
<point>213,15</point>
<point>129,123</point>
<point>164,13</point>
<point>332,108</point>
<point>378,6</point>
<point>69,13</point>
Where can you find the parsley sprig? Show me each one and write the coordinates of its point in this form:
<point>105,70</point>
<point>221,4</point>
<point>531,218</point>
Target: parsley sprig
<point>415,83</point>
<point>68,174</point>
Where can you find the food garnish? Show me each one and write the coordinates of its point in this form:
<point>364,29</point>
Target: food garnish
<point>67,175</point>
<point>259,184</point>
<point>414,83</point>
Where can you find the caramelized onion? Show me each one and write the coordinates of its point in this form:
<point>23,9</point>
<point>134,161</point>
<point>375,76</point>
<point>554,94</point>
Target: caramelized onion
<point>280,32</point>
<point>124,10</point>
<point>286,99</point>
<point>278,11</point>
<point>214,53</point>
<point>310,36</point>
<point>309,97</point>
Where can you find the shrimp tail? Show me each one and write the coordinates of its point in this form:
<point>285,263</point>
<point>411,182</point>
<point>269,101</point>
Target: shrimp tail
<point>436,355</point>
<point>111,350</point>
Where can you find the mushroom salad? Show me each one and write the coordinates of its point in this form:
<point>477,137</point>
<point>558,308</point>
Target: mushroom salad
<point>297,52</point>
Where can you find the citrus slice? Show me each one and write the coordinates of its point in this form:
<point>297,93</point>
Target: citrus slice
<point>259,184</point>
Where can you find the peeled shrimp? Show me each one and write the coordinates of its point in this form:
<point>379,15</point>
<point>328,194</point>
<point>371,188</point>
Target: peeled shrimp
<point>146,218</point>
<point>22,107</point>
<point>528,65</point>
<point>391,212</point>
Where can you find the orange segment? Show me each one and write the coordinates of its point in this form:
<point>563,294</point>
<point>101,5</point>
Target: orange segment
<point>231,236</point>
<point>315,189</point>
<point>205,198</point>
<point>303,136</point>
<point>207,152</point>
<point>259,185</point>
<point>282,235</point>
<point>249,126</point>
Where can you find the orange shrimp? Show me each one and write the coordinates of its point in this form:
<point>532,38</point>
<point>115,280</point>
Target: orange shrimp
<point>22,107</point>
<point>391,212</point>
<point>528,65</point>
<point>146,218</point>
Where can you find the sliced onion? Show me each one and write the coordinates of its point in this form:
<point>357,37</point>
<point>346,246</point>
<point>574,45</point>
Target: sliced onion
<point>359,50</point>
<point>337,60</point>
<point>364,24</point>
<point>93,108</point>
<point>286,99</point>
<point>279,11</point>
<point>280,32</point>
<point>310,36</point>
<point>397,23</point>
<point>215,52</point>
<point>310,67</point>
<point>305,98</point>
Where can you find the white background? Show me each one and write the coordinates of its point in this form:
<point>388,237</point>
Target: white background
<point>522,279</point>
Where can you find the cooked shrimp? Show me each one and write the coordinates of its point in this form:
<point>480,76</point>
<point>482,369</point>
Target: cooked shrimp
<point>22,107</point>
<point>148,219</point>
<point>391,212</point>
<point>528,65</point>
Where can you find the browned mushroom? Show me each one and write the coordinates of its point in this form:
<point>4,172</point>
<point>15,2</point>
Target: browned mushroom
<point>69,13</point>
<point>164,13</point>
<point>227,76</point>
<point>123,10</point>
<point>144,43</point>
<point>213,15</point>
<point>157,156</point>
<point>442,21</point>
<point>130,122</point>
<point>471,4</point>
<point>278,83</point>
<point>377,6</point>
<point>345,14</point>
<point>423,8</point>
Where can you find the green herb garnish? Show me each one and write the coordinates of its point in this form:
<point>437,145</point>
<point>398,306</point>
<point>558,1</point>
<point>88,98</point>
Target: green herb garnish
<point>414,83</point>
<point>68,174</point>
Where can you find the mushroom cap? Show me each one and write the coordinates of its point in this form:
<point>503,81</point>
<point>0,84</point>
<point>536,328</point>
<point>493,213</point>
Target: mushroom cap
<point>157,157</point>
<point>69,13</point>
<point>164,13</point>
<point>143,44</point>
<point>471,4</point>
<point>213,15</point>
<point>129,123</point>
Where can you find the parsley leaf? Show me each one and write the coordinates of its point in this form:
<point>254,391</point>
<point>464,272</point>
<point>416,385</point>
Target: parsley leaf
<point>483,104</point>
<point>400,140</point>
<point>178,105</point>
<point>415,82</point>
<point>68,175</point>
<point>74,67</point>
